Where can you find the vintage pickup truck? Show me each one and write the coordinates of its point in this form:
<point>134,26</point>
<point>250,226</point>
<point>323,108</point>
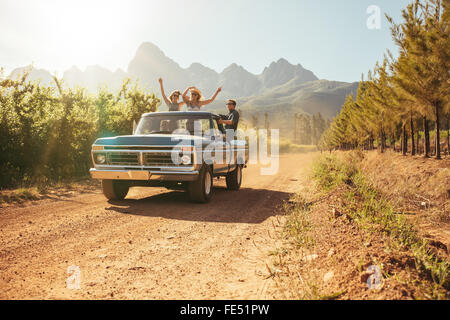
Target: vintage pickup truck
<point>176,150</point>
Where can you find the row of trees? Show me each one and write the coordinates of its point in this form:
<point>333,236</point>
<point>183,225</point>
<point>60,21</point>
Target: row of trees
<point>255,120</point>
<point>46,132</point>
<point>309,129</point>
<point>403,92</point>
<point>306,129</point>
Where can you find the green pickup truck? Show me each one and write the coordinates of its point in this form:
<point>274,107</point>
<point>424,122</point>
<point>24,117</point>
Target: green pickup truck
<point>176,150</point>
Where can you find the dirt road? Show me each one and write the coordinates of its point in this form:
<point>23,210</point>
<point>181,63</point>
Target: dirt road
<point>153,245</point>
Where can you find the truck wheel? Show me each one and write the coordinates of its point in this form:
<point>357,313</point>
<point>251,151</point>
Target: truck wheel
<point>115,190</point>
<point>201,189</point>
<point>234,179</point>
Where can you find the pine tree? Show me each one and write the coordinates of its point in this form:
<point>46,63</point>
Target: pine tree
<point>424,61</point>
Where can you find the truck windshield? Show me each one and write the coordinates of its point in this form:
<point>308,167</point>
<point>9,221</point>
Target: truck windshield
<point>167,124</point>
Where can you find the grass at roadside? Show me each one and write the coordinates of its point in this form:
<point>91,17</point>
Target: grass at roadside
<point>298,225</point>
<point>366,206</point>
<point>296,234</point>
<point>19,195</point>
<point>340,234</point>
<point>293,263</point>
<point>286,146</point>
<point>47,190</point>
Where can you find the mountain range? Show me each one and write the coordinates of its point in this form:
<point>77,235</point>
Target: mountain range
<point>280,90</point>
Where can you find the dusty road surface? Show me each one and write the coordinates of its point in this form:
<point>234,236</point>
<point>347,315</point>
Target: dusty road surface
<point>153,245</point>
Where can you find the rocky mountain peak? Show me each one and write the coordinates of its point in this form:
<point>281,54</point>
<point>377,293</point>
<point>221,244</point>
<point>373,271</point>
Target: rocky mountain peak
<point>282,71</point>
<point>150,63</point>
<point>149,48</point>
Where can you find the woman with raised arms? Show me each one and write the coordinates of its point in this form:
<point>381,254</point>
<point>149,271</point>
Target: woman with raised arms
<point>172,101</point>
<point>195,102</point>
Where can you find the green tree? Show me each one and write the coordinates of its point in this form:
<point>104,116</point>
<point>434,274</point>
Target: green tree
<point>422,67</point>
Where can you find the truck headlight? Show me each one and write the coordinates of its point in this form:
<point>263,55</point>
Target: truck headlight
<point>186,159</point>
<point>100,158</point>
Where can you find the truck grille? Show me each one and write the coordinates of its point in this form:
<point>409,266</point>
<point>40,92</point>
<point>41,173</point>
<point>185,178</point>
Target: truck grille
<point>158,159</point>
<point>149,159</point>
<point>120,158</point>
<point>137,148</point>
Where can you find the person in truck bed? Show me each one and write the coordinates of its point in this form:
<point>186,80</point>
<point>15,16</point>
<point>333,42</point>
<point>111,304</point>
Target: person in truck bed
<point>195,102</point>
<point>172,101</point>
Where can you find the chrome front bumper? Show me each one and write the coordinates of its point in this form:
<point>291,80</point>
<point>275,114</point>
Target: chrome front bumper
<point>143,175</point>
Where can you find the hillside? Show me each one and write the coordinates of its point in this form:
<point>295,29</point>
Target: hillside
<point>321,96</point>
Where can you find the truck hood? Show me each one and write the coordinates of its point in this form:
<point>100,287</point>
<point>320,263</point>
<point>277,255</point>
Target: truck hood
<point>149,140</point>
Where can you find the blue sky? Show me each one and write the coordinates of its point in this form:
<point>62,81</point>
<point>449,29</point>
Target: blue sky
<point>328,37</point>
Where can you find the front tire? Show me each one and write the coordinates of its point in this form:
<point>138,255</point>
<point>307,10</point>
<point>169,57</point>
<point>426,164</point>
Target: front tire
<point>201,189</point>
<point>115,190</point>
<point>234,179</point>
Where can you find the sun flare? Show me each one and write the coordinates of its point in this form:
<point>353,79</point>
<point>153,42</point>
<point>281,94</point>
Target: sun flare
<point>86,32</point>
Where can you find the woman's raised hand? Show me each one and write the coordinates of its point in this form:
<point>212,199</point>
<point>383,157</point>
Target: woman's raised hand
<point>160,80</point>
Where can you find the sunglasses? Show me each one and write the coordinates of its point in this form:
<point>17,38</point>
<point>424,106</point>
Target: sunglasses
<point>194,94</point>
